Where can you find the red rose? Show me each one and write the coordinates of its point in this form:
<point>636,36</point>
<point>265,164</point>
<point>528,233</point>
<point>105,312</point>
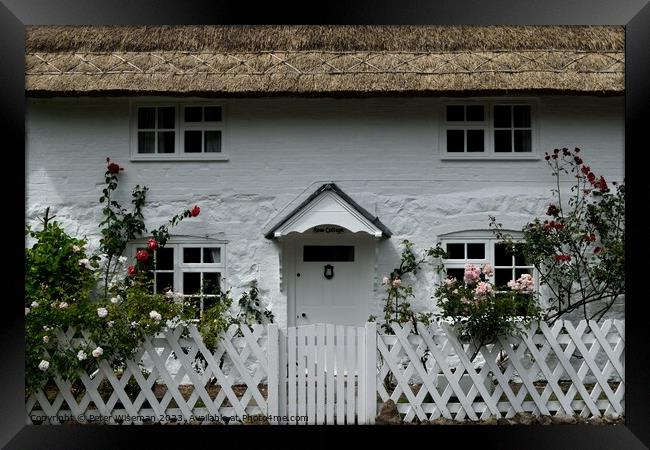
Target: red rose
<point>195,211</point>
<point>142,255</point>
<point>577,150</point>
<point>590,237</point>
<point>547,157</point>
<point>585,169</point>
<point>559,226</point>
<point>591,177</point>
<point>577,159</point>
<point>554,156</point>
<point>602,185</point>
<point>132,270</point>
<point>556,151</point>
<point>552,211</point>
<point>152,244</point>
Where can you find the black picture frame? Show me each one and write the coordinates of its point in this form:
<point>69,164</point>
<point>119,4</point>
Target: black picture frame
<point>634,14</point>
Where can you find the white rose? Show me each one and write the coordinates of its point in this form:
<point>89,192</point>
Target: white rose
<point>26,311</point>
<point>46,339</point>
<point>169,294</point>
<point>155,316</point>
<point>110,323</point>
<point>63,305</point>
<point>114,300</point>
<point>98,352</point>
<point>81,355</point>
<point>46,328</point>
<point>75,248</point>
<point>44,365</point>
<point>102,312</point>
<point>34,304</point>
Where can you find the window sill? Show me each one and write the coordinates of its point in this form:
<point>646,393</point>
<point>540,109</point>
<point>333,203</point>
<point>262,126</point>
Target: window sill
<point>447,157</point>
<point>175,158</point>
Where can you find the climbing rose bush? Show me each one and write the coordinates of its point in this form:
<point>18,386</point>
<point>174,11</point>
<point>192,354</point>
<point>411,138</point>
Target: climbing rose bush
<point>578,246</point>
<point>481,313</point>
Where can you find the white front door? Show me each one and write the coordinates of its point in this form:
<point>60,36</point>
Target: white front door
<point>333,279</point>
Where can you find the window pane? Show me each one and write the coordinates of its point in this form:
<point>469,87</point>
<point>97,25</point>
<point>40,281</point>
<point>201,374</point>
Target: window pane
<point>502,141</point>
<point>501,277</point>
<point>455,141</point>
<point>475,113</point>
<point>191,282</point>
<point>191,255</point>
<point>212,255</point>
<point>212,113</point>
<point>193,114</point>
<point>211,283</point>
<point>455,251</point>
<point>502,117</point>
<point>212,141</point>
<point>502,257</point>
<point>165,259</point>
<point>146,141</point>
<point>455,113</point>
<point>521,116</point>
<point>146,118</point>
<point>167,117</point>
<point>325,253</point>
<point>193,141</point>
<point>475,140</point>
<point>519,256</point>
<point>475,251</point>
<point>164,282</point>
<point>523,141</point>
<point>456,273</point>
<point>166,142</point>
<point>520,272</point>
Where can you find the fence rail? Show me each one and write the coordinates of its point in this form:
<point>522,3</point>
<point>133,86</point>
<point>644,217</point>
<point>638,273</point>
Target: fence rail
<point>333,374</point>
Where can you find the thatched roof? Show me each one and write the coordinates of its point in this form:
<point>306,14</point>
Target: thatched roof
<point>323,60</point>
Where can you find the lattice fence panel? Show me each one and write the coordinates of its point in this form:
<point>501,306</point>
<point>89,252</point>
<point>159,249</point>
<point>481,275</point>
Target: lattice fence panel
<point>559,369</point>
<point>173,377</point>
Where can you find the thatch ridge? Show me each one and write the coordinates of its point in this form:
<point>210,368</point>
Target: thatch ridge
<point>322,38</point>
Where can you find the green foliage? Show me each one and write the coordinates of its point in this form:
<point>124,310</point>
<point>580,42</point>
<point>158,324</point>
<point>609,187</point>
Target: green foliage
<point>250,308</point>
<point>578,250</point>
<point>397,308</point>
<point>215,320</point>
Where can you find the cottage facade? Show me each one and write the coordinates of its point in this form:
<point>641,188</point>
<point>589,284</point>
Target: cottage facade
<point>314,151</point>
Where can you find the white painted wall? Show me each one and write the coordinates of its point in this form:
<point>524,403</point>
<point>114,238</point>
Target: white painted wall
<point>383,152</point>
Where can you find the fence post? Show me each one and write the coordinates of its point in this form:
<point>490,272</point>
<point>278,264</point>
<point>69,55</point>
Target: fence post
<point>371,372</point>
<point>273,371</point>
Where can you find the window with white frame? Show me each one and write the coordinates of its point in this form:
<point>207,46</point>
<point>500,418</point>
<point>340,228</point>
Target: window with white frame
<point>488,129</point>
<point>177,131</point>
<point>195,269</point>
<point>478,251</point>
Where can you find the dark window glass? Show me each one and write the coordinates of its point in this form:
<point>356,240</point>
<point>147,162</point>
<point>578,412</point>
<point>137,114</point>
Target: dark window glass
<point>314,253</point>
<point>193,114</point>
<point>212,255</point>
<point>456,273</point>
<point>520,260</point>
<point>502,116</point>
<point>475,251</point>
<point>167,117</point>
<point>475,141</point>
<point>165,259</point>
<point>191,282</point>
<point>212,114</point>
<point>455,141</point>
<point>523,141</point>
<point>475,113</point>
<point>501,277</point>
<point>211,283</point>
<point>212,141</point>
<point>193,141</point>
<point>191,255</point>
<point>455,251</point>
<point>455,113</point>
<point>146,141</point>
<point>502,255</point>
<point>146,118</point>
<point>502,141</point>
<point>521,115</point>
<point>520,272</point>
<point>166,142</point>
<point>164,282</point>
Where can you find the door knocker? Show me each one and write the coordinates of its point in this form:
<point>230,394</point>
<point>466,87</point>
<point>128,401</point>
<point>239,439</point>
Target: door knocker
<point>329,271</point>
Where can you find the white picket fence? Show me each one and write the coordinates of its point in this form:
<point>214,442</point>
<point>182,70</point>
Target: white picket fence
<point>333,374</point>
